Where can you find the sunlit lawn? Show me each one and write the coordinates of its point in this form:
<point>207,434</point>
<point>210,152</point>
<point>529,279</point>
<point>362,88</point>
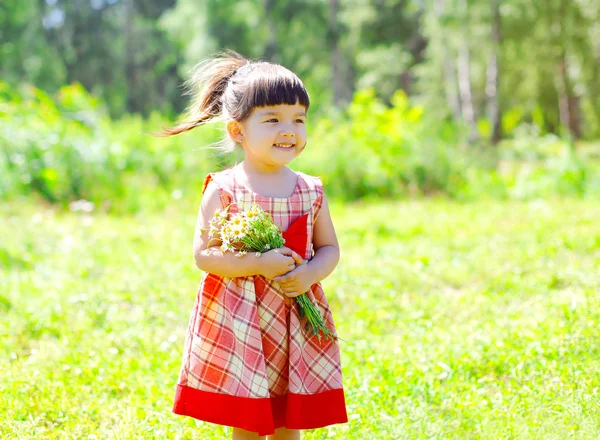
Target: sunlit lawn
<point>462,321</point>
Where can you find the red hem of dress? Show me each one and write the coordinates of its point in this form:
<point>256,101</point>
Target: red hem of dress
<point>292,411</point>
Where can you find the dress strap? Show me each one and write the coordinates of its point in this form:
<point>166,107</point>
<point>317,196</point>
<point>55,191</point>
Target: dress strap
<point>315,186</point>
<point>225,192</point>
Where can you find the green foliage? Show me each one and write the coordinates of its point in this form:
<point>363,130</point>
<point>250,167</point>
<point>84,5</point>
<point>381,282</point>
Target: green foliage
<point>45,143</point>
<point>25,53</point>
<point>114,48</point>
<point>535,165</point>
<point>134,55</point>
<point>375,150</point>
<point>66,148</point>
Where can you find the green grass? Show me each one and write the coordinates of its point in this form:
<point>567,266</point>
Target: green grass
<point>463,321</point>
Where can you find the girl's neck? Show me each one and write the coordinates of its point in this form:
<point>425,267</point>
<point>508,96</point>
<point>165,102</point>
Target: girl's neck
<point>250,168</point>
<point>264,182</point>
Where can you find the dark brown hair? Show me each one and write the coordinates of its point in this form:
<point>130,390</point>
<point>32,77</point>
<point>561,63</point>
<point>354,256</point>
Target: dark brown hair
<point>229,86</point>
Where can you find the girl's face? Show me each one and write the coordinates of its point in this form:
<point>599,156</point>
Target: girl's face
<point>274,135</point>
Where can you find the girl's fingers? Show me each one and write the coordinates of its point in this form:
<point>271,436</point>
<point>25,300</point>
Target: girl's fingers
<point>299,260</point>
<point>289,252</point>
<point>286,279</point>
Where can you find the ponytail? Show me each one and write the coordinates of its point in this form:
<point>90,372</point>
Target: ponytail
<point>207,85</point>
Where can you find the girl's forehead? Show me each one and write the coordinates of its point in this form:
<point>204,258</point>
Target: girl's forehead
<point>281,108</point>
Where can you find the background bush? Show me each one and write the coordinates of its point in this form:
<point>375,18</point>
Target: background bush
<point>64,147</point>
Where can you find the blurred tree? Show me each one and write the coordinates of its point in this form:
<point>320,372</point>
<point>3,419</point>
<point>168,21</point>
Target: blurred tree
<point>493,71</point>
<point>557,39</point>
<point>463,62</point>
<point>337,58</point>
<point>293,32</point>
<point>386,42</point>
<point>112,47</point>
<point>488,65</point>
<point>536,58</point>
<point>25,54</point>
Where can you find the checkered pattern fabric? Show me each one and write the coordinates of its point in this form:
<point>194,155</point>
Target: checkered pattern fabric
<point>245,337</point>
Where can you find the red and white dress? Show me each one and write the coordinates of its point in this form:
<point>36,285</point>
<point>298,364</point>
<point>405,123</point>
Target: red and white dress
<point>247,361</point>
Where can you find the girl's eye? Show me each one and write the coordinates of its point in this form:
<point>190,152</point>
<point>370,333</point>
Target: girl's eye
<point>276,120</point>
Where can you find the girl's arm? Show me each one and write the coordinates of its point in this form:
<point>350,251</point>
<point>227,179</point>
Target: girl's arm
<point>325,244</point>
<point>226,264</point>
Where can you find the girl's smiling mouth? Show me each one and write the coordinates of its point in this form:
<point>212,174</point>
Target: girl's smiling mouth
<point>282,146</point>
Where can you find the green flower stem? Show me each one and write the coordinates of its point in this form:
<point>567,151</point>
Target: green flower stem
<point>315,322</point>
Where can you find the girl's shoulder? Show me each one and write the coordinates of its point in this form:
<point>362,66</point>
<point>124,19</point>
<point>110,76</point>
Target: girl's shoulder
<point>223,180</point>
<point>312,182</point>
<point>312,188</point>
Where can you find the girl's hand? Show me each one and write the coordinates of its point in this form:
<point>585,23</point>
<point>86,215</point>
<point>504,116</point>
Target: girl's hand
<point>278,262</point>
<point>296,282</point>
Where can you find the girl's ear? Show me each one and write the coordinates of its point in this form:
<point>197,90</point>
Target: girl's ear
<point>234,129</point>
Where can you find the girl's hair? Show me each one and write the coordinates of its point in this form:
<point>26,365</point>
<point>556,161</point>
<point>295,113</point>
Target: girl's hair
<point>228,86</point>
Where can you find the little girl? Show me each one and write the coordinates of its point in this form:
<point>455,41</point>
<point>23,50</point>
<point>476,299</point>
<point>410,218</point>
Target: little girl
<point>248,362</point>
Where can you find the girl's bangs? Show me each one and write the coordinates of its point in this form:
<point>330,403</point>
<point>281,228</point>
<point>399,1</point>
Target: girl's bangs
<point>277,89</point>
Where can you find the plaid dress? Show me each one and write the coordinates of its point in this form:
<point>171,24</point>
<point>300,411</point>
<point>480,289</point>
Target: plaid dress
<point>247,360</point>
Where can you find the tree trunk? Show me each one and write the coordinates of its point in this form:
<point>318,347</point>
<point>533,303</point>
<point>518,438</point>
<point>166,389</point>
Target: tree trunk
<point>130,71</point>
<point>464,87</point>
<point>493,74</point>
<point>333,36</point>
<point>272,49</point>
<point>595,87</point>
<point>452,98</point>
<point>464,81</point>
<point>568,103</point>
<point>416,46</point>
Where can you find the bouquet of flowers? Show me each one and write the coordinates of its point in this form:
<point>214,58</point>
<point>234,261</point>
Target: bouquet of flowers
<point>253,230</point>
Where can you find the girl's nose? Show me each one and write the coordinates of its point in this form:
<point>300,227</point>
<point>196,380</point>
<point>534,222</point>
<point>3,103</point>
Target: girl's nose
<point>287,128</point>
